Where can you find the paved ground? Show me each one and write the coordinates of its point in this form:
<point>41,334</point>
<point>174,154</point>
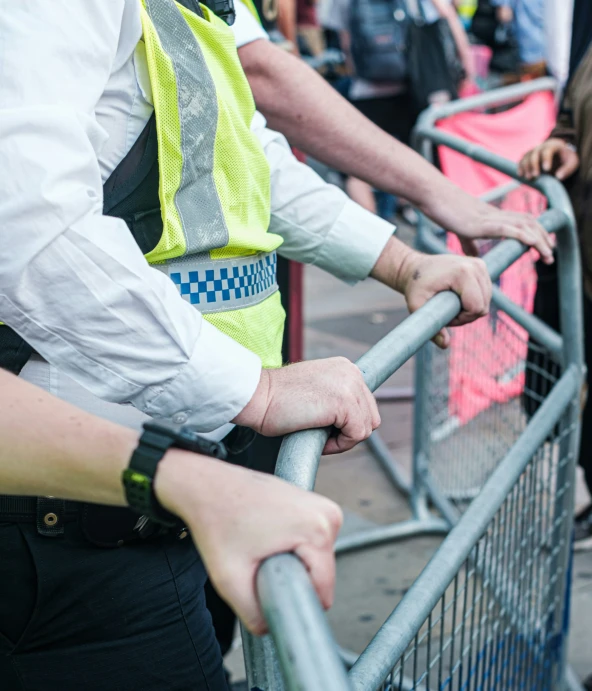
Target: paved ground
<point>345,321</point>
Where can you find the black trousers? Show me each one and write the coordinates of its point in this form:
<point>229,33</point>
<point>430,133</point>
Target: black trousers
<point>75,617</point>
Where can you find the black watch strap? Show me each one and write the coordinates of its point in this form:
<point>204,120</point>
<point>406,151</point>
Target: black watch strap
<point>157,438</point>
<point>138,478</point>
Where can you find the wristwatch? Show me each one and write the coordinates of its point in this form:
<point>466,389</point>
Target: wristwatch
<point>156,440</point>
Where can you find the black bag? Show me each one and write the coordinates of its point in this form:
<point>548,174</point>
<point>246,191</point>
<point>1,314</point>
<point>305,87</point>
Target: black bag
<point>435,68</point>
<point>499,37</point>
<point>378,30</point>
<point>484,23</point>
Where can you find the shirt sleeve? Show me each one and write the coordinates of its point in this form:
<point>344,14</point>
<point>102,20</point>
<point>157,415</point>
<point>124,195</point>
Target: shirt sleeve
<point>320,225</point>
<point>246,28</point>
<point>73,282</point>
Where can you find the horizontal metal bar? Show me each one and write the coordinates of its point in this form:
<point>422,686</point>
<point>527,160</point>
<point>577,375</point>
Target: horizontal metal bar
<point>304,643</point>
<point>544,334</point>
<point>400,628</point>
<point>499,192</point>
<point>395,394</point>
<point>489,99</point>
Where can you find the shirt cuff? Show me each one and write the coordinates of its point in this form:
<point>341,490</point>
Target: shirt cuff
<point>354,243</point>
<point>212,388</point>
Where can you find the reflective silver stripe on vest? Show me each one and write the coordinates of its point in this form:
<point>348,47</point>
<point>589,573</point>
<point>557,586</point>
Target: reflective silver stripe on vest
<point>196,199</point>
<point>224,284</point>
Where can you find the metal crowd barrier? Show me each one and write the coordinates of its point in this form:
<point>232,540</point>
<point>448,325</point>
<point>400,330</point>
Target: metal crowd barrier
<point>490,609</point>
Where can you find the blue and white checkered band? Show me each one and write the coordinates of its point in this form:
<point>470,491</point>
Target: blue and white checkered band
<point>223,284</point>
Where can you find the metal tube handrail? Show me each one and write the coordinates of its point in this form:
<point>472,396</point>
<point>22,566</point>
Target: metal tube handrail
<point>489,99</point>
<point>298,463</point>
<point>300,452</point>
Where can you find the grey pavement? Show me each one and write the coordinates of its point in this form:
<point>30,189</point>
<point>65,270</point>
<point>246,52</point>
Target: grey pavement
<point>341,320</point>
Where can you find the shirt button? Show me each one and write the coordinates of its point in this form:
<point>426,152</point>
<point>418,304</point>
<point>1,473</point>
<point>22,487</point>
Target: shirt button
<point>183,534</point>
<point>180,418</point>
<point>50,519</point>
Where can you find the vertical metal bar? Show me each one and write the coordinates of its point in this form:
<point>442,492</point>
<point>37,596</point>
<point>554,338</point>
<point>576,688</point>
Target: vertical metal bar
<point>421,434</point>
<point>572,330</point>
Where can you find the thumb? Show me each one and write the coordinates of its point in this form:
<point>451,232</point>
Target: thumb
<point>442,339</point>
<point>547,154</point>
<point>567,167</point>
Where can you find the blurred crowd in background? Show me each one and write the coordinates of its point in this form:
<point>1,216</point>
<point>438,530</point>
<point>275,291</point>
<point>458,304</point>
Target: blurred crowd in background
<point>392,58</point>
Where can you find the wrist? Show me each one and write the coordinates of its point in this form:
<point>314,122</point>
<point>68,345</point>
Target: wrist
<point>253,414</point>
<point>395,265</point>
<point>179,480</point>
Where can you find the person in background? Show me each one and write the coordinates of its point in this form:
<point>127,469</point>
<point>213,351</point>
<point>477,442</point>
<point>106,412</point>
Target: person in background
<point>317,120</point>
<point>527,18</point>
<point>558,26</point>
<point>567,154</point>
<point>387,104</point>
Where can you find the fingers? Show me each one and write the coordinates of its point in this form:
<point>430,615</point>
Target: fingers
<point>526,229</point>
<point>570,162</point>
<point>546,156</point>
<point>358,416</point>
<point>529,166</point>
<point>362,419</point>
<point>471,282</point>
<point>442,339</point>
<point>531,233</point>
<point>320,564</point>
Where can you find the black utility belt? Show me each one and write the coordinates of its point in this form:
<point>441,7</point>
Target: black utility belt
<point>103,526</point>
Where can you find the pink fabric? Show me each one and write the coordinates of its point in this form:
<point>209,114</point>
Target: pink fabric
<point>486,359</point>
<point>481,58</point>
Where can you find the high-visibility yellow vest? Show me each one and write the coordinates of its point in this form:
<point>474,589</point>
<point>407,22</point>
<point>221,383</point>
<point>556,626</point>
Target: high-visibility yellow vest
<point>214,182</point>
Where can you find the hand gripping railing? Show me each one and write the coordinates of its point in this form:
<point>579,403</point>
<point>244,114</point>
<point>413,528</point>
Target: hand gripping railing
<point>300,653</point>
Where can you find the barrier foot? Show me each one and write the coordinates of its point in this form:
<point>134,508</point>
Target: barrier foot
<point>390,533</point>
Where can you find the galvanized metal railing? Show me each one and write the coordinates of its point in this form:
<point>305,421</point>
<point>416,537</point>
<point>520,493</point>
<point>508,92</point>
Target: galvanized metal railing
<point>489,610</point>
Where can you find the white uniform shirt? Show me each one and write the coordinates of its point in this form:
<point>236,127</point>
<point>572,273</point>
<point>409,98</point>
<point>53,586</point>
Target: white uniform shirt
<point>246,28</point>
<point>74,96</point>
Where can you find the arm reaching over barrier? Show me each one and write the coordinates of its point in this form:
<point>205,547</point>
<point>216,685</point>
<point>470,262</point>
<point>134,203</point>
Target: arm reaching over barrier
<point>70,454</point>
<point>314,117</point>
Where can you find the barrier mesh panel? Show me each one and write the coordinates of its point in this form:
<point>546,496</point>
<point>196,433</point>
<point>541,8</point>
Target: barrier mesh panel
<point>482,391</point>
<point>500,622</point>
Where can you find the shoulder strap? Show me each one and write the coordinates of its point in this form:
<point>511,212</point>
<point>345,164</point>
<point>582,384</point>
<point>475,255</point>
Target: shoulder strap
<point>192,6</point>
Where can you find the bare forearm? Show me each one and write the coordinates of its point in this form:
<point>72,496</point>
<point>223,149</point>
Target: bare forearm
<point>316,119</point>
<point>51,448</point>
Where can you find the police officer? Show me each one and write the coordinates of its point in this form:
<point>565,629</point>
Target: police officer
<point>128,129</point>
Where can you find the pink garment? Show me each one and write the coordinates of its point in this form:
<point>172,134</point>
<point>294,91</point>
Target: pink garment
<point>487,357</point>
